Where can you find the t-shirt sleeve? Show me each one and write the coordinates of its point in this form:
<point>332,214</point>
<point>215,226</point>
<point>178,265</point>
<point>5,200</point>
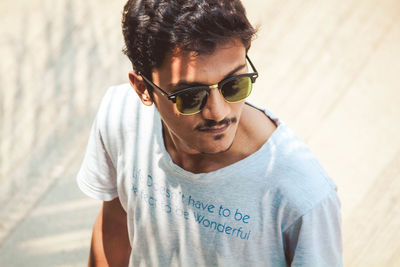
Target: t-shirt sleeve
<point>315,238</point>
<point>97,175</point>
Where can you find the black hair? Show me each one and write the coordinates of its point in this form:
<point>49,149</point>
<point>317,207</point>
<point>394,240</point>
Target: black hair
<point>152,28</point>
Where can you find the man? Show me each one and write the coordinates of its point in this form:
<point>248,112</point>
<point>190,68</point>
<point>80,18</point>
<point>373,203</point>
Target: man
<point>190,173</point>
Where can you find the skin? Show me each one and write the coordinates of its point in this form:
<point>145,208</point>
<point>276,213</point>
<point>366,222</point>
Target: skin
<point>110,245</point>
<point>238,130</point>
<point>221,134</point>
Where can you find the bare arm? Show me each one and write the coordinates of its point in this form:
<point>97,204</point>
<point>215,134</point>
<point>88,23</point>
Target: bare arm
<point>110,243</point>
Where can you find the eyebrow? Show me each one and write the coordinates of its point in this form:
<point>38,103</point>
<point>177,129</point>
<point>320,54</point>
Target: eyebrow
<point>184,83</point>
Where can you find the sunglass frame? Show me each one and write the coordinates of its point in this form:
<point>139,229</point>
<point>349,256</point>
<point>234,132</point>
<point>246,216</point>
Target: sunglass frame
<point>172,96</point>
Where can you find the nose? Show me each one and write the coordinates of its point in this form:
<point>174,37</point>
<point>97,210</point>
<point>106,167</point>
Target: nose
<point>216,107</point>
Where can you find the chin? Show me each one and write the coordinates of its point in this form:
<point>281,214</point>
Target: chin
<point>216,149</point>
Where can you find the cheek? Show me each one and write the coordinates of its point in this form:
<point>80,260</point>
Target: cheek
<point>165,106</point>
<point>171,117</point>
<point>237,108</point>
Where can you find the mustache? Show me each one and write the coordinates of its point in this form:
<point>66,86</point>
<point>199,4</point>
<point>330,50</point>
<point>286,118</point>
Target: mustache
<point>211,123</point>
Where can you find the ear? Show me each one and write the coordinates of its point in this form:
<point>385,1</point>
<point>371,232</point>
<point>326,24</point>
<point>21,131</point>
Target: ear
<point>138,84</point>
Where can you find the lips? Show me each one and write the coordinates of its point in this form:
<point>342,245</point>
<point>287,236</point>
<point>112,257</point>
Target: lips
<point>214,130</point>
<point>210,126</point>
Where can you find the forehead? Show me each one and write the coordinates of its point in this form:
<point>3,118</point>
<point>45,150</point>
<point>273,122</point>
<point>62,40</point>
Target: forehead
<point>206,68</point>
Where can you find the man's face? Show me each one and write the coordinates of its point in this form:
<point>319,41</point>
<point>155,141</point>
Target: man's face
<point>213,130</point>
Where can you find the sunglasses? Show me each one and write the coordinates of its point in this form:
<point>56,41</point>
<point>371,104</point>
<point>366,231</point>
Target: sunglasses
<point>193,99</point>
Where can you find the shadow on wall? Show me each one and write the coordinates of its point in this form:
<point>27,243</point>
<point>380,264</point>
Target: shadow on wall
<point>60,58</point>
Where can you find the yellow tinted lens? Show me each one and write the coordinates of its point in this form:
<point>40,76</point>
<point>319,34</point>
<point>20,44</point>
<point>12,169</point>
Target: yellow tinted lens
<point>237,89</point>
<point>192,101</point>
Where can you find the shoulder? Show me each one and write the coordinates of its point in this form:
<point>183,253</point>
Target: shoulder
<point>295,180</point>
<point>121,108</point>
<point>122,117</point>
<point>297,169</point>
<point>116,100</point>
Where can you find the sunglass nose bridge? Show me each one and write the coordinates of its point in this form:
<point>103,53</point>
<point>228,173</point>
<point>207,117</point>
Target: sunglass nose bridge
<point>213,86</point>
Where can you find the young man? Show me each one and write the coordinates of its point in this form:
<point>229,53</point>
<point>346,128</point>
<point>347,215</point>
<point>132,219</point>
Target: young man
<point>191,174</point>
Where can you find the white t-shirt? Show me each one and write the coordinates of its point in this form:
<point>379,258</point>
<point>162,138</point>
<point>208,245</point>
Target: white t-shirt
<point>277,207</point>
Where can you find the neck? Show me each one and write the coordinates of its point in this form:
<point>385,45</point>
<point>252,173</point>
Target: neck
<point>197,162</point>
<point>253,131</point>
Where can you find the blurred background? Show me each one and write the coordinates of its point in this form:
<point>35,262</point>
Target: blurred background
<point>330,69</point>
